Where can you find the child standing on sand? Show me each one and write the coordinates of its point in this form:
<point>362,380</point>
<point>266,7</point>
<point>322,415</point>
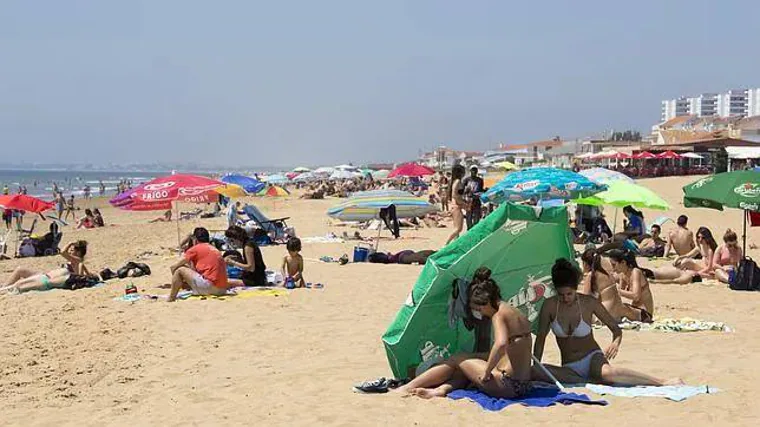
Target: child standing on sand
<point>292,264</point>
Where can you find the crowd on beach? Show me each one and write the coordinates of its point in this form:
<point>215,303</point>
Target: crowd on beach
<point>609,287</point>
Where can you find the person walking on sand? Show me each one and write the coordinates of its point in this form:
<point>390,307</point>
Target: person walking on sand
<point>456,193</point>
<point>70,209</point>
<point>473,188</point>
<point>202,268</point>
<point>681,239</point>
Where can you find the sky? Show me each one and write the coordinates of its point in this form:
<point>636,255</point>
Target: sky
<point>268,83</point>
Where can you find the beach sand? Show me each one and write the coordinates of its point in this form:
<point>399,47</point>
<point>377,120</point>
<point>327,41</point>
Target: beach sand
<point>81,358</point>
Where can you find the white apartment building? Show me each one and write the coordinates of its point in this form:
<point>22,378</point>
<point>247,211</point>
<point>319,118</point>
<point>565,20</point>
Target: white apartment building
<point>735,102</point>
<point>753,102</point>
<point>674,108</point>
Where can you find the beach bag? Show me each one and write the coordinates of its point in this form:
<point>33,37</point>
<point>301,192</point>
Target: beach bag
<point>747,276</point>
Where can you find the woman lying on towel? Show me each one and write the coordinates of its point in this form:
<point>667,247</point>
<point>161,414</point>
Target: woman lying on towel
<point>599,283</point>
<point>505,371</point>
<point>569,315</point>
<point>67,277</point>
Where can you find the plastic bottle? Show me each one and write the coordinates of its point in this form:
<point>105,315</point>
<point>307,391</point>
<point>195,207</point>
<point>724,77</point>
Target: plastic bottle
<point>130,289</point>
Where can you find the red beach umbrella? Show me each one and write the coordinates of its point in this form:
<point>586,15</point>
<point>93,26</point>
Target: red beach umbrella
<point>669,155</point>
<point>21,202</point>
<point>644,155</point>
<point>620,156</point>
<point>411,170</point>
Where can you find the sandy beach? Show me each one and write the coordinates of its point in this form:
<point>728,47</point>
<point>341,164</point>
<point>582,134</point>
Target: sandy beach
<point>82,358</point>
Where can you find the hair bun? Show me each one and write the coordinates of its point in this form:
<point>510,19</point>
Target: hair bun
<point>481,274</point>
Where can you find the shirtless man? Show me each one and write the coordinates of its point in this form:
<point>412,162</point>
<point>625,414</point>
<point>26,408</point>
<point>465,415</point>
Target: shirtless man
<point>680,239</point>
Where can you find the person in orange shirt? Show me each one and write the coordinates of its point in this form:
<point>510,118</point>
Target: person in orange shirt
<point>202,268</point>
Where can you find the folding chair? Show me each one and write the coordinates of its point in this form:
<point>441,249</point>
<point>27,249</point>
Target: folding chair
<point>277,227</point>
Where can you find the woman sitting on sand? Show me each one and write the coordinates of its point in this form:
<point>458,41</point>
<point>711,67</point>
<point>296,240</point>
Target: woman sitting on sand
<point>505,371</point>
<point>88,221</point>
<point>727,257</point>
<point>569,315</point>
<point>254,269</point>
<point>98,218</point>
<point>600,284</point>
<point>705,248</point>
<point>457,197</point>
<point>632,282</point>
<point>24,280</point>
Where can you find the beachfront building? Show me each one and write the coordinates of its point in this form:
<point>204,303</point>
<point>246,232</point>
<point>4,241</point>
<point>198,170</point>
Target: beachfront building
<point>444,157</point>
<point>672,108</point>
<point>532,152</point>
<point>753,102</point>
<point>732,103</point>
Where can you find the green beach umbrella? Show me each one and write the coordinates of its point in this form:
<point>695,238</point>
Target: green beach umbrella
<point>738,189</point>
<point>621,194</point>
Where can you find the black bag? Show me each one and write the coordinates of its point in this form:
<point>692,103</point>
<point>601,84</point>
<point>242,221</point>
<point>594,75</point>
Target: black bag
<point>747,276</point>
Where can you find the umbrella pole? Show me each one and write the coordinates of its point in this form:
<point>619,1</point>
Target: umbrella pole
<point>614,224</point>
<point>176,212</point>
<point>744,234</point>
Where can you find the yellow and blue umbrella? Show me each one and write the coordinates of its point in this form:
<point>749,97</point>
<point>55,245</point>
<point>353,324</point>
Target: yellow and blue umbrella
<point>250,185</point>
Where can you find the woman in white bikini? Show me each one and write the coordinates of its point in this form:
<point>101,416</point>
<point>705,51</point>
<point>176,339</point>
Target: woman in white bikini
<point>727,257</point>
<point>632,282</point>
<point>599,283</point>
<point>505,371</point>
<point>569,315</point>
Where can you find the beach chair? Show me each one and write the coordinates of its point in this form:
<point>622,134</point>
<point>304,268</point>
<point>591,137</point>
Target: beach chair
<point>27,233</point>
<point>277,228</point>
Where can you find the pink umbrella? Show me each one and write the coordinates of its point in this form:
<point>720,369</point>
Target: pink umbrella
<point>176,188</point>
<point>159,193</point>
<point>644,155</point>
<point>669,155</point>
<point>411,170</point>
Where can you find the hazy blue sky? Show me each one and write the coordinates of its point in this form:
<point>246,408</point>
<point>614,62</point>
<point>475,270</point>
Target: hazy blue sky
<point>312,82</point>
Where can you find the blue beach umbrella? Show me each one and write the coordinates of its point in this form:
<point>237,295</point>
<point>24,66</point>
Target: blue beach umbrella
<point>542,184</point>
<point>277,179</point>
<point>605,176</point>
<point>250,185</point>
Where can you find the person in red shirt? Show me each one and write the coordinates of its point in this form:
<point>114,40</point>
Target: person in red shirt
<point>202,269</point>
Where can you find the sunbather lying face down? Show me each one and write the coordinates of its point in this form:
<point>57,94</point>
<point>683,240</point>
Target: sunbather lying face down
<point>505,370</point>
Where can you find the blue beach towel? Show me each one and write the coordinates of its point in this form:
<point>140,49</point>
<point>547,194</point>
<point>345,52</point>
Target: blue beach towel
<point>539,397</point>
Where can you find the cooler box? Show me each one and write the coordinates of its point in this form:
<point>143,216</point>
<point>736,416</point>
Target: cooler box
<point>361,252</point>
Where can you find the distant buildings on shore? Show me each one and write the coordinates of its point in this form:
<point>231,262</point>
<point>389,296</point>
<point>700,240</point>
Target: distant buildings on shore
<point>733,103</point>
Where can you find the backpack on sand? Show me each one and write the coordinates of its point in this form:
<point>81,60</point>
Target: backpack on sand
<point>747,276</point>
